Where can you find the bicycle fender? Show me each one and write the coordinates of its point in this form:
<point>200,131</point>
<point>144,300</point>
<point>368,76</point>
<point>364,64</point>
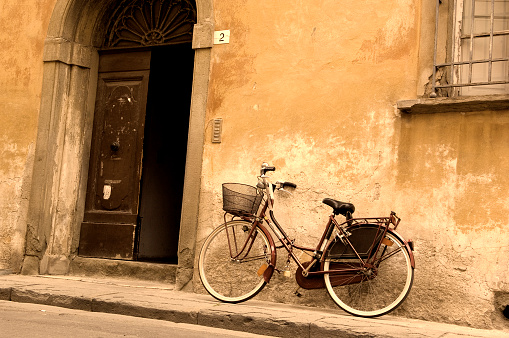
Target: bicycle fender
<point>408,249</point>
<point>267,274</point>
<point>394,233</point>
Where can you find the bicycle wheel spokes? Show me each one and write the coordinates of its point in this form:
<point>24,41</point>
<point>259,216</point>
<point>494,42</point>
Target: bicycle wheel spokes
<point>347,272</point>
<point>372,290</point>
<point>231,264</point>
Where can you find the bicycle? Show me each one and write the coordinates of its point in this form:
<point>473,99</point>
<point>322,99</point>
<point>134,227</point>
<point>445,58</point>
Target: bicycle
<point>366,267</point>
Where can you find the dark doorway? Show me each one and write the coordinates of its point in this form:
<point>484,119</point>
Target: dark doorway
<point>139,139</point>
<point>138,155</point>
<point>164,152</point>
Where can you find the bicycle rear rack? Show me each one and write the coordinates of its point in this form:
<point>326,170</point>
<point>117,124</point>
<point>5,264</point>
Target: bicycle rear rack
<point>386,221</point>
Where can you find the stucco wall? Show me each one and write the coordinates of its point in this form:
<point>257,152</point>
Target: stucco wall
<point>452,187</point>
<point>22,43</point>
<point>312,89</point>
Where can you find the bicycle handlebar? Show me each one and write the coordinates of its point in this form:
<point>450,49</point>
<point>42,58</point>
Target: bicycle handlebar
<point>265,168</point>
<point>280,185</point>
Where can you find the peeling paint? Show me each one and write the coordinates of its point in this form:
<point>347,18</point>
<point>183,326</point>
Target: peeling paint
<point>311,88</point>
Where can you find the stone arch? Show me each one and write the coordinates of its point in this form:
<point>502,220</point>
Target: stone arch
<point>75,33</point>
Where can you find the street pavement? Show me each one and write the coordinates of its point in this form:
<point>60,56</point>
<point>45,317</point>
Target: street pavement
<point>56,322</point>
<point>161,301</point>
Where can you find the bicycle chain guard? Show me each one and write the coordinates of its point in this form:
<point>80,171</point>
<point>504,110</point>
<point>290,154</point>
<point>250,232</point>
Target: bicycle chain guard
<point>311,281</point>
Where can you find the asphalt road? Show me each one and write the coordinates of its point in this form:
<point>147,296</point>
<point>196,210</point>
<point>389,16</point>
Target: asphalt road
<point>34,321</point>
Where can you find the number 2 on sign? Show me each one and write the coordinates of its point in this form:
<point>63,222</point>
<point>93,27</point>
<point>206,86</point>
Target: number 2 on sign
<point>221,37</point>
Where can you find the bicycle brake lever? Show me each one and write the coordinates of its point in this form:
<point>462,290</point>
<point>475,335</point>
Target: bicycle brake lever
<point>286,191</point>
<point>280,186</point>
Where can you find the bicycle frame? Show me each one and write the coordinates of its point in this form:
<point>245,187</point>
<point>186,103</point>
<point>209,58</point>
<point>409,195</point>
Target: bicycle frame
<point>383,225</point>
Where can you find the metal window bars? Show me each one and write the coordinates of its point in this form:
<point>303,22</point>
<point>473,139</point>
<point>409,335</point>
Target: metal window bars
<point>462,67</point>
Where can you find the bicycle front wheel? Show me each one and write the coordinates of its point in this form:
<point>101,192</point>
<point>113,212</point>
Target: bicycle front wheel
<point>232,261</point>
<point>370,291</point>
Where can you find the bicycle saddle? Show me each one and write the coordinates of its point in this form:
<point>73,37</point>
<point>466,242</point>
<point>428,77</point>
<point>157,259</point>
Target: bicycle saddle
<point>339,207</point>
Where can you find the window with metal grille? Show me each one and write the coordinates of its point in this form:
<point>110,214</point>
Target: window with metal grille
<point>476,41</point>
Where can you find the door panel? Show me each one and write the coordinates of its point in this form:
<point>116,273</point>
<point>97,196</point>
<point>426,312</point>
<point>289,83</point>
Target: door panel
<point>120,131</point>
<point>111,208</point>
<point>115,61</point>
<point>107,240</point>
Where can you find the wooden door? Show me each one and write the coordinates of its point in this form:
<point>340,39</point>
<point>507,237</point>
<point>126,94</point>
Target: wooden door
<point>111,209</point>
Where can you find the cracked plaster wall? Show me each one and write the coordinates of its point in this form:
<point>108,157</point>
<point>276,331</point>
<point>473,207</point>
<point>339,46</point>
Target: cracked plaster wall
<point>452,176</point>
<point>311,89</point>
<point>22,40</point>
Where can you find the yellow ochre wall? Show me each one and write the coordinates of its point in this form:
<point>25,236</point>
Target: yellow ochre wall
<point>312,88</point>
<point>24,29</point>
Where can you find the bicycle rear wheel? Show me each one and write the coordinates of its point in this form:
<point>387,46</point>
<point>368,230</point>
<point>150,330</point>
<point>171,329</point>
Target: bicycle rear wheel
<point>237,276</point>
<point>370,291</point>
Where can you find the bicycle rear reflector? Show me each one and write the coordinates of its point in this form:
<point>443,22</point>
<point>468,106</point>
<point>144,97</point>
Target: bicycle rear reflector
<point>387,242</point>
<point>262,269</point>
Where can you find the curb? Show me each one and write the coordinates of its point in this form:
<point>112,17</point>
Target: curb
<point>258,317</point>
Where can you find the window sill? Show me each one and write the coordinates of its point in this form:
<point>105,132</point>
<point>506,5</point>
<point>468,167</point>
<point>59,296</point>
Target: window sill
<point>454,104</point>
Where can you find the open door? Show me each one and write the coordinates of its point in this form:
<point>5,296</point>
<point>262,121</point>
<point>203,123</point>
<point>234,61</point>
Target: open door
<point>111,209</point>
<point>138,154</point>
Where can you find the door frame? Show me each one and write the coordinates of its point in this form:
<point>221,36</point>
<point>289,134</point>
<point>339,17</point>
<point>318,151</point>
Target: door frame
<point>58,187</point>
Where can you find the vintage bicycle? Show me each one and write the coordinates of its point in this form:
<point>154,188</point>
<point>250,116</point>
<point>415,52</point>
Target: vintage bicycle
<point>366,267</point>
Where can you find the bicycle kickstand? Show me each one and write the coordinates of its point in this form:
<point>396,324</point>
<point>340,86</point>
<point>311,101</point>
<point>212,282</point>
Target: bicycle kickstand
<point>297,293</point>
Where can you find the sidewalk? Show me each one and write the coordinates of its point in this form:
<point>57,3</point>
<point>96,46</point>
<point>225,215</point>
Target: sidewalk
<point>160,301</point>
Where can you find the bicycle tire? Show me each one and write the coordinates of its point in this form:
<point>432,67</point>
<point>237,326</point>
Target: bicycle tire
<point>233,280</point>
<point>373,292</point>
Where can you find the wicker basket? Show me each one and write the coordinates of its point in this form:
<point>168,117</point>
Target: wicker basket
<point>241,199</point>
